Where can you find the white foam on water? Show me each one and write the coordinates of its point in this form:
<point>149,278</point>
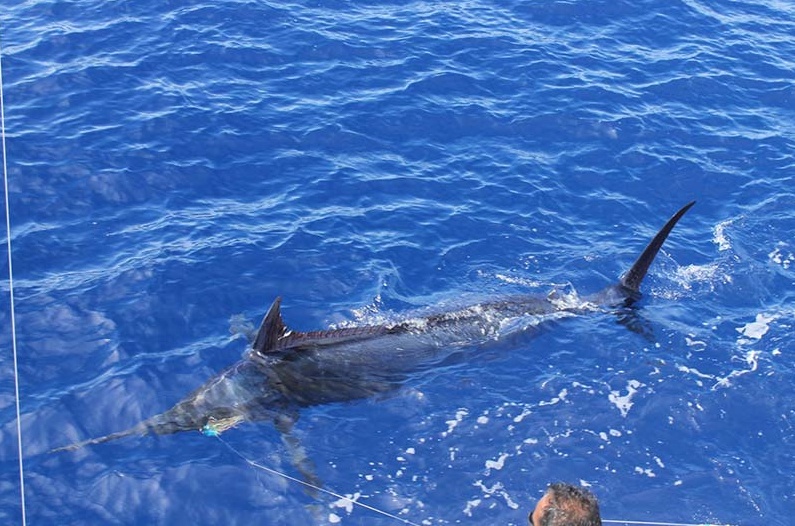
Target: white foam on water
<point>709,274</point>
<point>557,399</point>
<point>719,235</point>
<point>497,490</point>
<point>690,341</point>
<point>757,328</point>
<point>647,471</point>
<point>782,257</point>
<point>346,503</point>
<point>513,280</point>
<point>624,402</point>
<point>497,464</point>
<point>751,358</point>
<point>471,505</point>
<point>452,424</point>
<point>695,372</point>
<point>525,412</point>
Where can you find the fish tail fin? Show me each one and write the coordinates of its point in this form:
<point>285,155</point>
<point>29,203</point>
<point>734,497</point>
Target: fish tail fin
<point>632,279</point>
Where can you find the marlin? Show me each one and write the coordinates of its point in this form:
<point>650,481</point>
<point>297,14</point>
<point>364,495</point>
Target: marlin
<point>285,370</point>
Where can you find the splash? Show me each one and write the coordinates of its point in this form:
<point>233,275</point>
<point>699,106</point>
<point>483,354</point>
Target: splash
<point>567,299</point>
<point>689,277</point>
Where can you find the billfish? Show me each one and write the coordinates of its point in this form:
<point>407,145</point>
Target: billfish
<point>285,370</point>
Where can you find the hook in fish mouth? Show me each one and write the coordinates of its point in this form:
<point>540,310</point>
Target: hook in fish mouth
<point>215,426</point>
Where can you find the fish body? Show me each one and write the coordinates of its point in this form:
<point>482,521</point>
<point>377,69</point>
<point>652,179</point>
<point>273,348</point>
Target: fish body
<point>285,370</point>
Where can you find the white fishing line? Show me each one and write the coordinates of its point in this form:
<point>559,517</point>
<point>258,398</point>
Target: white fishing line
<point>312,486</point>
<point>11,294</point>
<point>652,523</point>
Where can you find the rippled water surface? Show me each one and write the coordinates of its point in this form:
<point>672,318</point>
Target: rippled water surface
<point>173,168</point>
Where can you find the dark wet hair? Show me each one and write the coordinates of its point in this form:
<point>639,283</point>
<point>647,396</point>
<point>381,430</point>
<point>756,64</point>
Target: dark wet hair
<point>570,506</point>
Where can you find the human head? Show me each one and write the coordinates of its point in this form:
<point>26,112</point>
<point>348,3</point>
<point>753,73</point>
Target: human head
<point>566,505</point>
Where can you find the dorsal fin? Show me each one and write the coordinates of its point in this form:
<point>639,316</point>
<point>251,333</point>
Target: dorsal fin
<point>271,329</point>
<point>633,277</point>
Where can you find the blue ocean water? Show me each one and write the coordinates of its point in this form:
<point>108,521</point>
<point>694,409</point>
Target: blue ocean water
<point>172,168</point>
